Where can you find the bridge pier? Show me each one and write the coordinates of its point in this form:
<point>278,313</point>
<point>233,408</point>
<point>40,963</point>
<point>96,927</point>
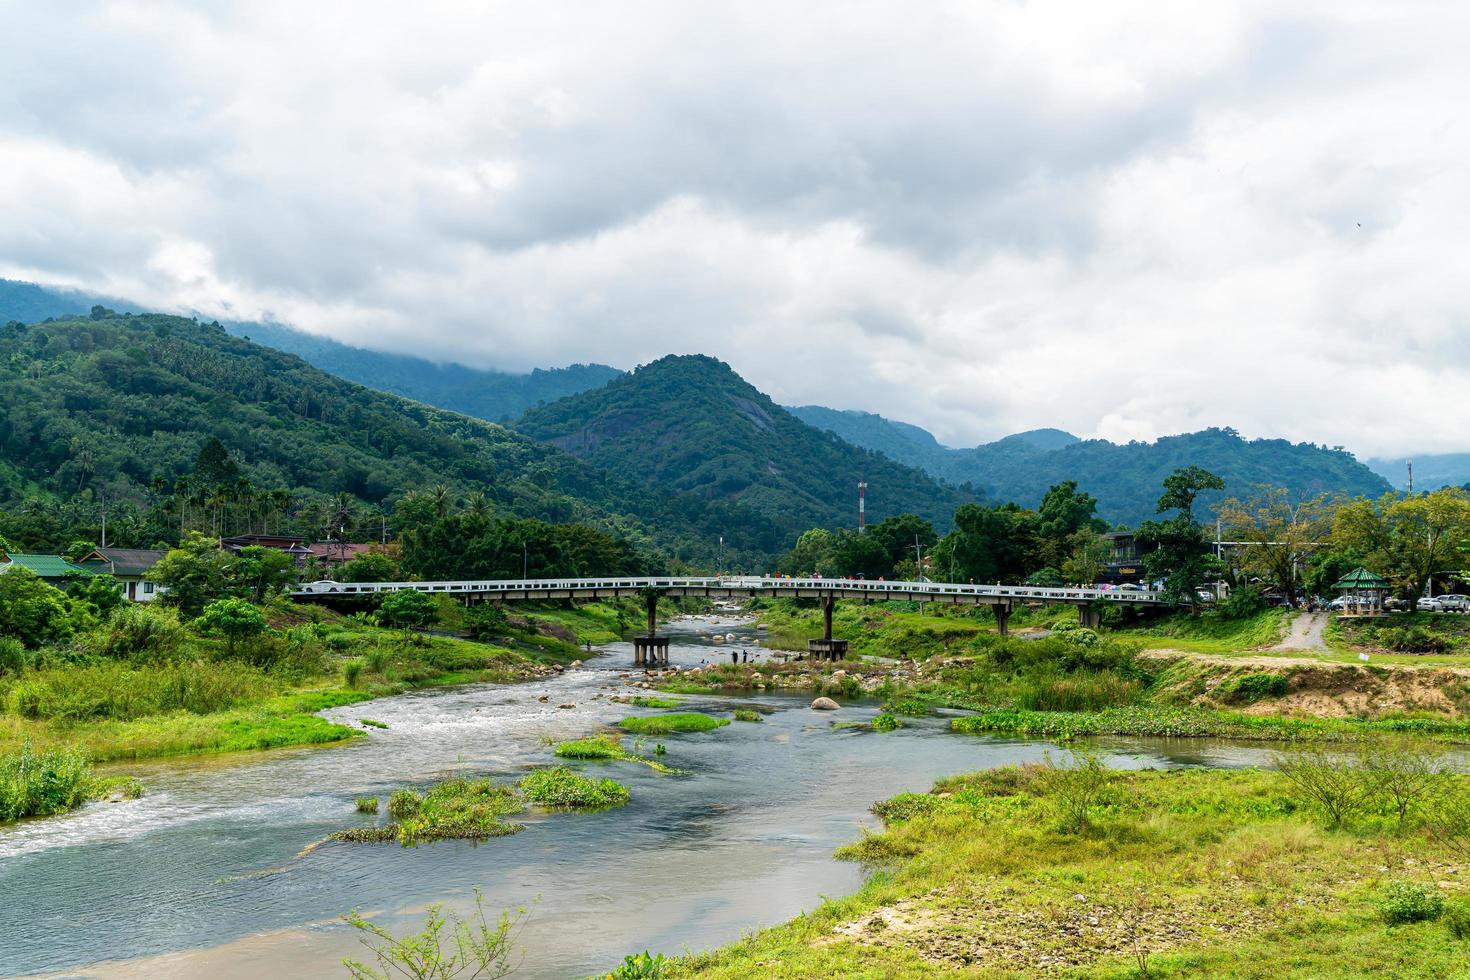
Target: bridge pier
<point>827,648</point>
<point>1002,612</point>
<point>651,649</point>
<point>1089,618</point>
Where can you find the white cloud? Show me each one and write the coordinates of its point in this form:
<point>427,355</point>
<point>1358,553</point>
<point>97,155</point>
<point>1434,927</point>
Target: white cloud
<point>1121,219</point>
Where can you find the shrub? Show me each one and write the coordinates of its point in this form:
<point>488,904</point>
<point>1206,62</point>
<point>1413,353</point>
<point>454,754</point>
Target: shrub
<point>377,660</point>
<point>235,619</point>
<point>37,784</point>
<point>1078,692</point>
<point>486,619</point>
<point>641,966</point>
<point>14,657</point>
<point>1242,603</point>
<point>564,788</point>
<point>1338,782</point>
<point>1074,789</point>
<point>448,946</point>
<point>367,804</point>
<point>351,672</point>
<point>404,803</point>
<point>143,631</point>
<point>1457,919</point>
<point>1409,901</point>
<point>886,723</point>
<point>1412,639</point>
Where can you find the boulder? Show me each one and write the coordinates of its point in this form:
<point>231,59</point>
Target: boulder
<point>825,704</point>
<point>837,675</point>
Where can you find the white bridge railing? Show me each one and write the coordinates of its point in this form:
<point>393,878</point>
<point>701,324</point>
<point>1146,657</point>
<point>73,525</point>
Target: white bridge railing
<point>736,585</point>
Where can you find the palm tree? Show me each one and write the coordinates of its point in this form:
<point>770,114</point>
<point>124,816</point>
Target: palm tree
<point>443,499</point>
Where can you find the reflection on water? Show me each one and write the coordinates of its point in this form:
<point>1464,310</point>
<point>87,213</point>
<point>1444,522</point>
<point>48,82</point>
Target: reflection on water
<point>201,876</point>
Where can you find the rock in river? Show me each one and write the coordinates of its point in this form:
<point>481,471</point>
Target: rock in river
<point>825,704</point>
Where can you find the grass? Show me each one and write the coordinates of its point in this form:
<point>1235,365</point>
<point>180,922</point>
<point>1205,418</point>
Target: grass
<point>563,788</point>
<point>367,804</point>
<point>1182,873</point>
<point>607,748</point>
<point>1208,633</point>
<point>683,721</point>
<point>51,781</point>
<point>645,701</point>
<point>747,714</point>
<point>456,809</point>
<point>372,723</point>
<point>1164,722</point>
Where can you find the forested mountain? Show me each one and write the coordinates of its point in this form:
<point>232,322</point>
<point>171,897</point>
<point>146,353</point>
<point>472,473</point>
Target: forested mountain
<point>497,396</point>
<point>691,423</point>
<point>117,407</point>
<point>1125,478</point>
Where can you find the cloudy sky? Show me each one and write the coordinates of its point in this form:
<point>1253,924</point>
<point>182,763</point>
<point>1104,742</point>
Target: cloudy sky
<point>1121,219</point>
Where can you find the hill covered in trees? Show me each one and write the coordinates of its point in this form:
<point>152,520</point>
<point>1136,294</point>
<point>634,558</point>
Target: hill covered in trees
<point>1124,477</point>
<point>497,396</point>
<point>116,408</point>
<point>691,423</point>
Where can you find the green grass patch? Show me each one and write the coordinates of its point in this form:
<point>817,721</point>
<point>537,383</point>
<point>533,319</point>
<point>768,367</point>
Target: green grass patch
<point>683,721</point>
<point>747,714</point>
<point>367,804</point>
<point>645,701</point>
<point>456,809</point>
<point>1199,723</point>
<point>1210,633</point>
<point>372,723</point>
<point>563,788</point>
<point>607,748</point>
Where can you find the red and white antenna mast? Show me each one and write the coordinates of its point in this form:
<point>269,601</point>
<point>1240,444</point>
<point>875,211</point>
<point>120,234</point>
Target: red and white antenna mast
<point>862,513</point>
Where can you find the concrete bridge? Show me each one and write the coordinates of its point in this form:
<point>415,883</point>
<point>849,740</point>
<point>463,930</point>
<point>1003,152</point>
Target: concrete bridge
<point>652,648</point>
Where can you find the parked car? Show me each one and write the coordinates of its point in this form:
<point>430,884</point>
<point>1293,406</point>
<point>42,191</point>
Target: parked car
<point>1430,605</point>
<point>1454,602</point>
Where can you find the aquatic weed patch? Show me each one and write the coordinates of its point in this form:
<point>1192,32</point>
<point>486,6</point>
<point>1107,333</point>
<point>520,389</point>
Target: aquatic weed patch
<point>1193,723</point>
<point>563,788</point>
<point>606,748</point>
<point>456,809</point>
<point>683,721</point>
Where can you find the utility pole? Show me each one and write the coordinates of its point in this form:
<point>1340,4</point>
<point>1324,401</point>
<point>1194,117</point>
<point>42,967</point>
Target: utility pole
<point>104,520</point>
<point>1411,478</point>
<point>862,514</point>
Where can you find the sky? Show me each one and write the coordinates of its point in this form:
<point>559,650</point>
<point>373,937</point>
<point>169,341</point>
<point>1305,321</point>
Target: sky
<point>1123,219</point>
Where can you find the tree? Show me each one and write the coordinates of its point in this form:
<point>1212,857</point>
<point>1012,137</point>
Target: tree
<point>194,574</point>
<point>234,618</point>
<point>1063,513</point>
<point>897,535</point>
<point>1177,550</point>
<point>1407,540</point>
<point>989,544</point>
<point>1088,558</point>
<point>258,572</point>
<point>30,610</point>
<point>1279,533</point>
<point>99,593</point>
<point>371,567</point>
<point>407,608</point>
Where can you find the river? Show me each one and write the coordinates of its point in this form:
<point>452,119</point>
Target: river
<point>202,878</point>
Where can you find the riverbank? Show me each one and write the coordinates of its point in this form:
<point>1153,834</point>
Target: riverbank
<point>1165,873</point>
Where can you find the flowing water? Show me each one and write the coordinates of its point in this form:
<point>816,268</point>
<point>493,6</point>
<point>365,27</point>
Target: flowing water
<point>202,877</point>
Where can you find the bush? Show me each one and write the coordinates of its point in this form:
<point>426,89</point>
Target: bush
<point>1404,902</point>
<point>1457,919</point>
<point>143,631</point>
<point>367,804</point>
<point>404,803</point>
<point>1412,639</point>
<point>14,657</point>
<point>39,784</point>
<point>1074,789</point>
<point>886,723</point>
<point>1337,782</point>
<point>1242,603</point>
<point>567,789</point>
<point>1079,692</point>
<point>486,619</point>
<point>641,966</point>
<point>351,672</point>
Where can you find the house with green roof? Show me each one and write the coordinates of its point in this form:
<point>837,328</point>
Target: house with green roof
<point>128,566</point>
<point>52,568</point>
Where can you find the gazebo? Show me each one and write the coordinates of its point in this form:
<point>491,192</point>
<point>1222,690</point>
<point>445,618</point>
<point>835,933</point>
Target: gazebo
<point>1362,592</point>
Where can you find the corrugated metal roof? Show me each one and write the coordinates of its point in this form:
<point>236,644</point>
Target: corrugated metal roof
<point>46,566</point>
<point>122,561</point>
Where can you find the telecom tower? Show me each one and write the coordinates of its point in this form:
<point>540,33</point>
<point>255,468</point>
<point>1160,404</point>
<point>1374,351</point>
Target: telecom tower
<point>862,514</point>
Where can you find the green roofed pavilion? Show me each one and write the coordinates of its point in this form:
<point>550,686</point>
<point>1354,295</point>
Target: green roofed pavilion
<point>1362,593</point>
<point>1360,578</point>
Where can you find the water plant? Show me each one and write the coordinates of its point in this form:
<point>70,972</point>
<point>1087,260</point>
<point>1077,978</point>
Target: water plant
<point>367,804</point>
<point>641,966</point>
<point>886,723</point>
<point>564,788</point>
<point>684,721</point>
<point>747,714</point>
<point>647,701</point>
<point>373,723</point>
<point>608,747</point>
<point>456,809</point>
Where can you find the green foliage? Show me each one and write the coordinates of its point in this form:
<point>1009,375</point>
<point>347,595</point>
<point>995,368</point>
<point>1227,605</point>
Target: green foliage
<point>563,788</point>
<point>352,672</point>
<point>407,608</point>
<point>102,594</point>
<point>1457,919</point>
<point>367,804</point>
<point>14,657</point>
<point>143,632</point>
<point>1242,603</point>
<point>371,567</point>
<point>641,966</point>
<point>597,747</point>
<point>1404,902</point>
<point>404,803</point>
<point>1252,687</point>
<point>485,619</point>
<point>37,784</point>
<point>653,701</point>
<point>1336,781</point>
<point>235,619</point>
<point>686,721</point>
<point>194,574</point>
<point>373,723</point>
<point>886,723</point>
<point>1177,550</point>
<point>1075,788</point>
<point>1407,539</point>
<point>122,691</point>
<point>448,946</point>
<point>747,714</point>
<point>32,611</point>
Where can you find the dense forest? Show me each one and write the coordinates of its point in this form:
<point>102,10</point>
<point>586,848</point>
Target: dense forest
<point>690,423</point>
<point>116,408</point>
<point>1124,477</point>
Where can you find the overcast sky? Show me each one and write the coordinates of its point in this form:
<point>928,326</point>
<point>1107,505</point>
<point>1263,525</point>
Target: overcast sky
<point>1125,220</point>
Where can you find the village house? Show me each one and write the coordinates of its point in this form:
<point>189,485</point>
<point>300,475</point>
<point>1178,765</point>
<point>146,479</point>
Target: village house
<point>128,566</point>
<point>51,569</point>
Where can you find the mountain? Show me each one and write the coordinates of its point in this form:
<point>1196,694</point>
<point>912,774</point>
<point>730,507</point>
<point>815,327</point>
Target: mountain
<point>1127,478</point>
<point>691,423</point>
<point>492,395</point>
<point>107,403</point>
<point>908,444</point>
<point>1431,471</point>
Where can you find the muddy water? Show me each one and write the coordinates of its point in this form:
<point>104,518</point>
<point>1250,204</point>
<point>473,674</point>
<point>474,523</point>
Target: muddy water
<point>202,877</point>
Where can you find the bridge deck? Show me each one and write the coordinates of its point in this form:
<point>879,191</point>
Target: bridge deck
<point>733,586</point>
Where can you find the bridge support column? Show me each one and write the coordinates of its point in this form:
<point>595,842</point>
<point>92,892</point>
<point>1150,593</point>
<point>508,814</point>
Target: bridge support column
<point>651,649</point>
<point>1089,618</point>
<point>827,648</point>
<point>1002,612</point>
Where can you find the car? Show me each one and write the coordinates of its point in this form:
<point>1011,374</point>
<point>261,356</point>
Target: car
<point>1429,604</point>
<point>1454,602</point>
